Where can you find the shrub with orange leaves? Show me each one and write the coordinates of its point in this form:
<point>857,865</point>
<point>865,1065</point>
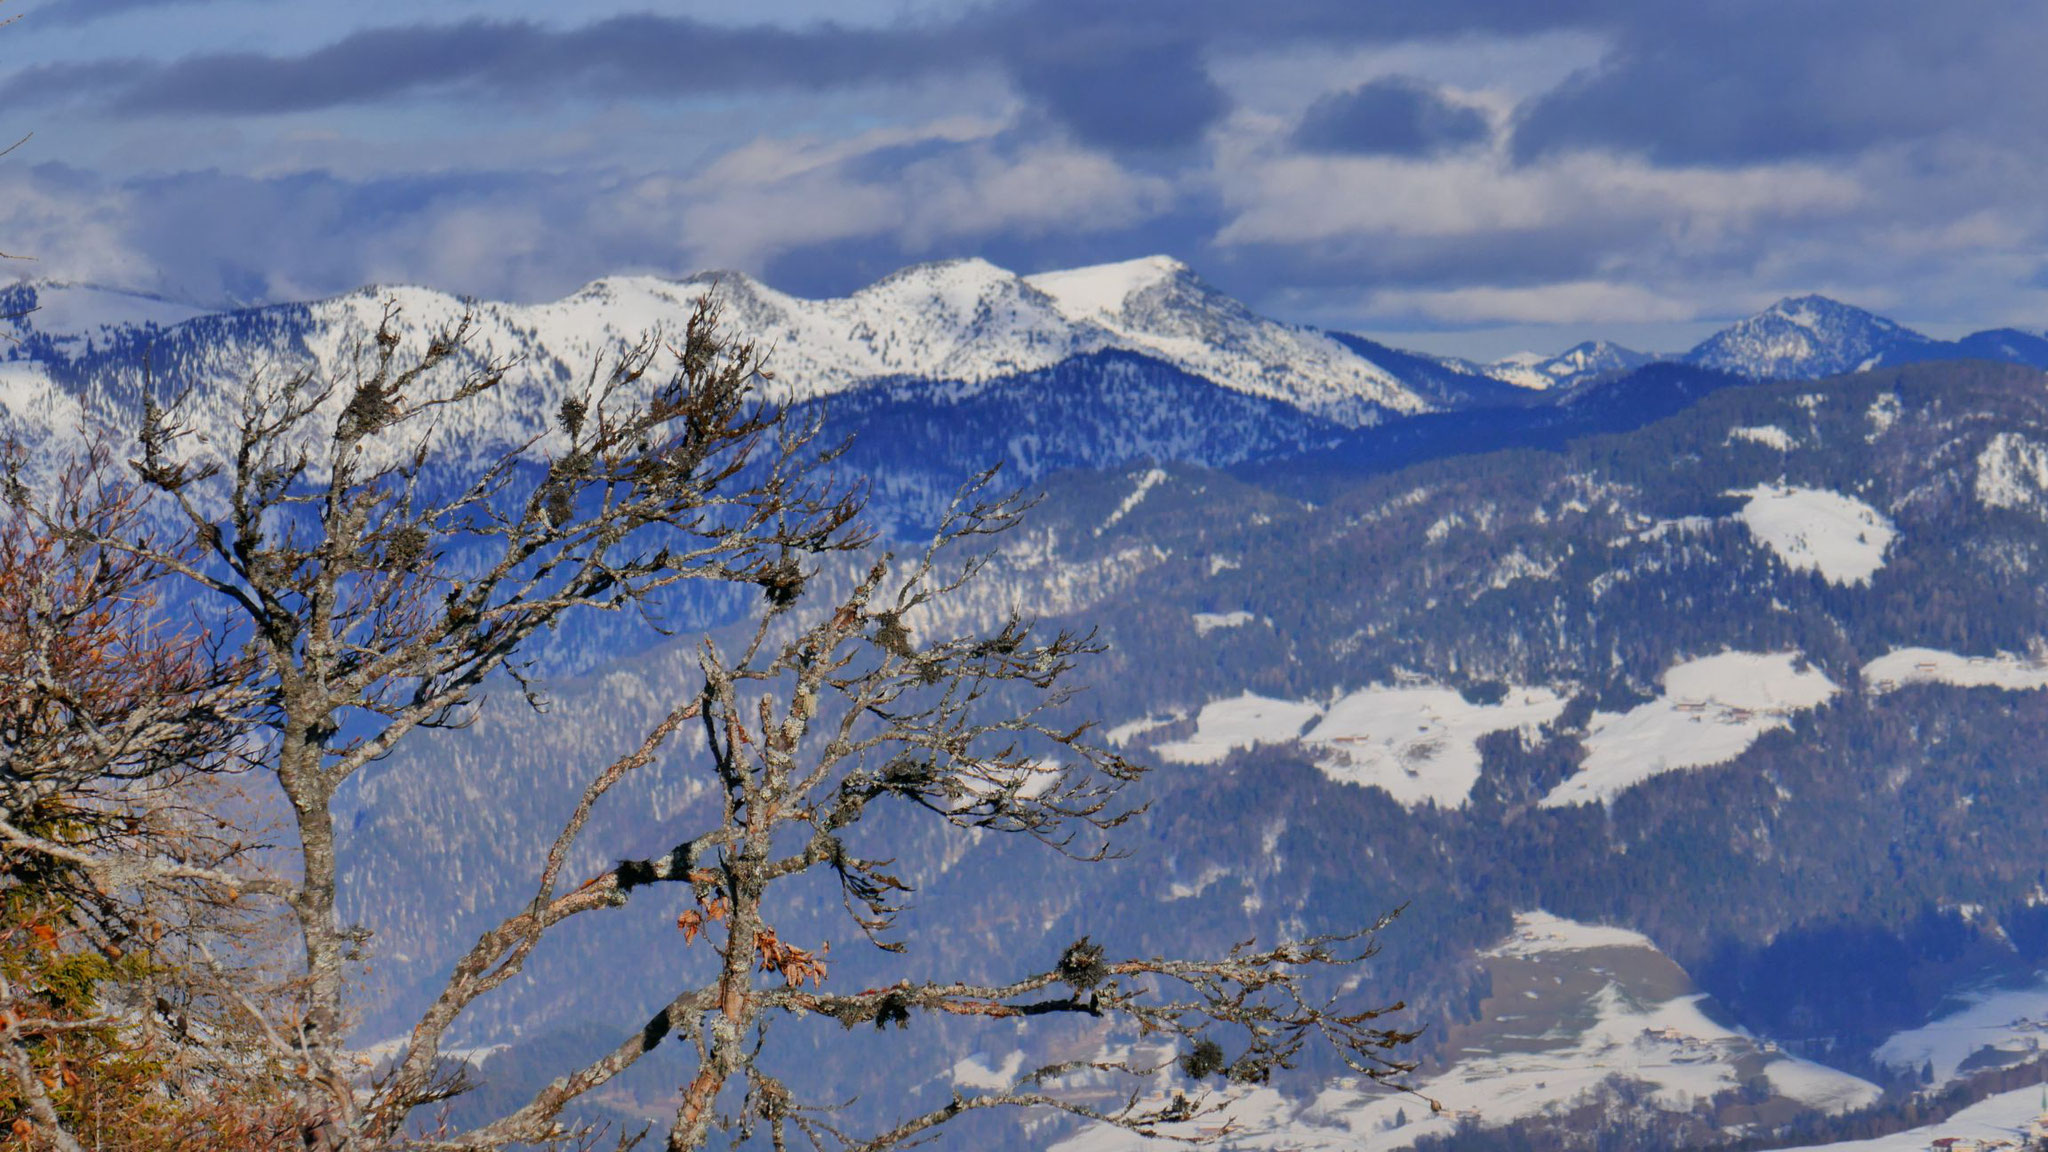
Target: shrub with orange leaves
<point>118,876</point>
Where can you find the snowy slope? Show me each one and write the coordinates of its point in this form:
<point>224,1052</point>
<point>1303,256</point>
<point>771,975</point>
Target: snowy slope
<point>1994,1025</point>
<point>1157,305</point>
<point>1711,711</point>
<point>1812,529</point>
<point>2006,1117</point>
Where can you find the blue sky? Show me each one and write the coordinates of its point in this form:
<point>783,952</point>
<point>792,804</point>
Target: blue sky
<point>1459,175</point>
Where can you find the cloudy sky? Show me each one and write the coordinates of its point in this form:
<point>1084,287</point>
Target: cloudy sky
<point>1459,175</point>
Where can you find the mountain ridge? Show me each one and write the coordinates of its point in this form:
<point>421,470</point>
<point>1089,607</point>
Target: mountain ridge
<point>970,322</point>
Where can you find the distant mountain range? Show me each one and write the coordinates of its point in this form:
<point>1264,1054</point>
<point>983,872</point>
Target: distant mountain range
<point>965,324</point>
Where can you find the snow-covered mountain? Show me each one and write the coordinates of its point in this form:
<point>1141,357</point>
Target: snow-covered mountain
<point>1808,337</point>
<point>966,322</point>
<point>1582,362</point>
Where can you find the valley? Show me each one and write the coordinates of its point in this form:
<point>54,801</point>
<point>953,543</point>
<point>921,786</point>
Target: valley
<point>1686,713</point>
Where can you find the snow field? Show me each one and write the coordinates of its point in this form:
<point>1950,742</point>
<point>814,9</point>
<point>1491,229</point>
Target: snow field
<point>1420,744</point>
<point>972,1073</point>
<point>1711,711</point>
<point>2006,1019</point>
<point>1810,529</point>
<point>37,412</point>
<point>1539,932</point>
<point>1224,726</point>
<point>1902,666</point>
<point>1523,370</point>
<point>1626,1026</point>
<point>2000,1117</point>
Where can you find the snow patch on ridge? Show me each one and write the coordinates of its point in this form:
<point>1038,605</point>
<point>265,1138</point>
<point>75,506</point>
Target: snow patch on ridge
<point>1711,711</point>
<point>1207,622</point>
<point>1768,435</point>
<point>1517,565</point>
<point>1157,306</point>
<point>1812,529</point>
<point>1147,481</point>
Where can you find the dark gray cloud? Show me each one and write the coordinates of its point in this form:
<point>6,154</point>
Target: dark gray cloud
<point>1745,81</point>
<point>1720,83</point>
<point>1124,76</point>
<point>86,11</point>
<point>623,56</point>
<point>1124,96</point>
<point>1392,116</point>
<point>1116,76</point>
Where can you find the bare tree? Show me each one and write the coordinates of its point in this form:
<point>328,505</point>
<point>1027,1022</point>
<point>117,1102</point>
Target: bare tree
<point>379,587</point>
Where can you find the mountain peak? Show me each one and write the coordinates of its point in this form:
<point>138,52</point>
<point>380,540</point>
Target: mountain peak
<point>1814,311</point>
<point>1100,291</point>
<point>966,272</point>
<point>1582,362</point>
<point>1806,337</point>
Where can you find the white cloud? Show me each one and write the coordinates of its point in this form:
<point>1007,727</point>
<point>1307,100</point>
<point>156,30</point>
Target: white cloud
<point>1570,302</point>
<point>72,233</point>
<point>1295,199</point>
<point>956,178</point>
